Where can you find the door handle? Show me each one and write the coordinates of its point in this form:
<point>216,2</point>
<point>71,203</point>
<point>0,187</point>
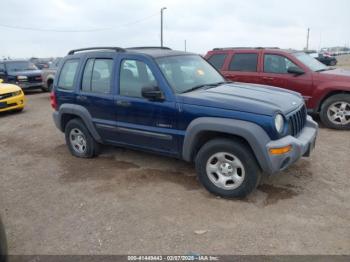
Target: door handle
<point>123,103</point>
<point>268,78</point>
<point>81,98</point>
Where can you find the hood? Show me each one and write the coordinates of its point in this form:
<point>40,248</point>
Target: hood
<point>26,73</point>
<point>337,73</point>
<point>252,98</point>
<point>8,88</point>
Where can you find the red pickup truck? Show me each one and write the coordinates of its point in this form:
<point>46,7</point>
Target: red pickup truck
<point>326,90</point>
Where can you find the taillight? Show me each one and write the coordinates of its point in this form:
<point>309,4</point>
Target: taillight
<point>53,100</point>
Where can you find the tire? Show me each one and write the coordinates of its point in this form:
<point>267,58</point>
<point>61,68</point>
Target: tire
<point>79,140</point>
<point>333,63</point>
<point>49,86</point>
<point>3,243</point>
<point>245,172</point>
<point>18,110</point>
<point>335,112</point>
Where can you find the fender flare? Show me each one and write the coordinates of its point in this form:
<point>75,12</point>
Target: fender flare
<point>80,112</point>
<point>256,137</point>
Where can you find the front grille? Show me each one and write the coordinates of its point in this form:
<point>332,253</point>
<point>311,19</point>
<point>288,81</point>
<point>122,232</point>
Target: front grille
<point>4,96</point>
<point>34,79</point>
<point>297,121</point>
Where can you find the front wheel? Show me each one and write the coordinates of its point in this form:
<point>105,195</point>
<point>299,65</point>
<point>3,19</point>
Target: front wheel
<point>227,168</point>
<point>335,112</point>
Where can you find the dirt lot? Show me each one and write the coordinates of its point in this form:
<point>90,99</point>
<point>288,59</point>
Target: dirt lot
<point>127,202</point>
<point>344,61</point>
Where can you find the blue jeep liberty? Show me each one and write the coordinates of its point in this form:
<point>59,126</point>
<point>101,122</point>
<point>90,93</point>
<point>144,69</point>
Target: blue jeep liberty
<point>176,104</point>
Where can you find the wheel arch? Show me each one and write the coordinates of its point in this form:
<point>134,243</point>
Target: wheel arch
<point>202,130</point>
<point>68,112</point>
<point>328,95</point>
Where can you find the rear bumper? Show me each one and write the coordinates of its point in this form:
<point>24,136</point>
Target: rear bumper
<point>301,146</point>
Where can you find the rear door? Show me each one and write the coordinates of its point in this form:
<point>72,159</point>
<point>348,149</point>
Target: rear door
<point>275,73</point>
<point>243,66</point>
<point>96,93</point>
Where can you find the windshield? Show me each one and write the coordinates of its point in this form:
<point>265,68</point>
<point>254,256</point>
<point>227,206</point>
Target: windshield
<point>186,72</point>
<point>310,62</point>
<point>20,66</point>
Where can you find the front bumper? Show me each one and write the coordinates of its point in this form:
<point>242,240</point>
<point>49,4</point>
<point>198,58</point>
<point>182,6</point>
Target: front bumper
<point>28,85</point>
<point>12,103</point>
<point>301,146</point>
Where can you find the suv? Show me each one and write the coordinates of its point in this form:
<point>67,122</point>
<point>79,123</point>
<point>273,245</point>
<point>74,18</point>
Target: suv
<point>176,104</point>
<point>22,73</point>
<point>326,90</point>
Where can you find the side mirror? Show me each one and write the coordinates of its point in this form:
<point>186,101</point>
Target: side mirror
<point>295,70</point>
<point>152,93</point>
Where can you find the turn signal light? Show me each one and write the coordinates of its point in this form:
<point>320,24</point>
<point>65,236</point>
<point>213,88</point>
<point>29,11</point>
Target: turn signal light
<point>280,150</point>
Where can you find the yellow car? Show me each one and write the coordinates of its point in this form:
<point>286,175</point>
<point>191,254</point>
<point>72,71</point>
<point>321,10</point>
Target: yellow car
<point>11,97</point>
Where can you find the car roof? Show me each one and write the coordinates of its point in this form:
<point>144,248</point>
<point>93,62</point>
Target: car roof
<point>155,52</point>
<point>275,49</point>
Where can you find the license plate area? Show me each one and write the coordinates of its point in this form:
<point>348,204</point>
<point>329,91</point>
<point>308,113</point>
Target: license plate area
<point>3,105</point>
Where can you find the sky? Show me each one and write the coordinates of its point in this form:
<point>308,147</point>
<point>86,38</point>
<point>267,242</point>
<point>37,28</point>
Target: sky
<point>49,28</point>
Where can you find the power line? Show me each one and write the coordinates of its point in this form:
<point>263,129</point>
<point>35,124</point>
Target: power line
<point>75,30</point>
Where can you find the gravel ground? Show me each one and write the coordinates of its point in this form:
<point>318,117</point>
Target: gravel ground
<point>127,202</point>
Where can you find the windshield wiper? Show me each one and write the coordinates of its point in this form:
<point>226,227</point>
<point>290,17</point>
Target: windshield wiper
<point>206,85</point>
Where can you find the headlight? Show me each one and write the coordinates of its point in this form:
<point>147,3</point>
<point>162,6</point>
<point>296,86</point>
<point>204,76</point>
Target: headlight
<point>279,123</point>
<point>22,78</point>
<point>17,93</point>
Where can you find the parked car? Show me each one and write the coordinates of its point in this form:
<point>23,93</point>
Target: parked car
<point>3,243</point>
<point>11,97</point>
<point>326,90</point>
<point>324,58</point>
<point>48,74</point>
<point>22,73</point>
<point>176,104</point>
<point>40,63</point>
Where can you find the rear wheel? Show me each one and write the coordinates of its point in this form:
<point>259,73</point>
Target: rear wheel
<point>79,140</point>
<point>227,168</point>
<point>335,112</point>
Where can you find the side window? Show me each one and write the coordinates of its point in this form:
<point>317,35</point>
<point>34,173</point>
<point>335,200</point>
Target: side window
<point>134,75</point>
<point>217,60</point>
<point>277,64</point>
<point>244,62</point>
<point>97,76</point>
<point>2,67</point>
<point>67,76</point>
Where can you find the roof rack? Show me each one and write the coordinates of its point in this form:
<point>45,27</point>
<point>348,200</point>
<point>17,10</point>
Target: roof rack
<point>229,48</point>
<point>117,49</point>
<point>150,47</point>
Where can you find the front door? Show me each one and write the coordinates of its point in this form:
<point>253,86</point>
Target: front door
<point>275,73</point>
<point>141,122</point>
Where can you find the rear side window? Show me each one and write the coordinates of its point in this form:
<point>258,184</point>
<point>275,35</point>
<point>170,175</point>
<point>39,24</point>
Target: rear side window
<point>244,62</point>
<point>67,76</point>
<point>217,60</point>
<point>97,76</point>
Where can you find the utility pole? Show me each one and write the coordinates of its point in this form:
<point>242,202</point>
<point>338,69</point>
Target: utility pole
<point>161,25</point>
<point>307,39</point>
<point>185,46</point>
